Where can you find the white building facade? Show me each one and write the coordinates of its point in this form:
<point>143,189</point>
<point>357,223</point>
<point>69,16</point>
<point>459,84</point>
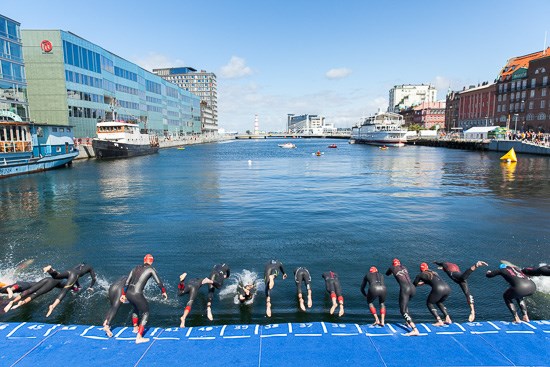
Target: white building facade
<point>308,125</point>
<point>408,95</point>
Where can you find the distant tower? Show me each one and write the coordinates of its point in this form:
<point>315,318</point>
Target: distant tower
<point>256,126</point>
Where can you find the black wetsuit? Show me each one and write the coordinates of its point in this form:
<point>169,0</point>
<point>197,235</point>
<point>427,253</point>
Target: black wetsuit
<point>17,287</point>
<point>43,286</point>
<point>377,289</point>
<point>192,287</point>
<point>453,271</point>
<point>301,274</point>
<point>438,295</point>
<point>72,276</point>
<point>242,295</point>
<point>332,285</point>
<point>218,274</point>
<point>133,289</point>
<point>406,289</point>
<point>115,291</point>
<point>535,272</point>
<point>520,286</point>
<point>272,268</point>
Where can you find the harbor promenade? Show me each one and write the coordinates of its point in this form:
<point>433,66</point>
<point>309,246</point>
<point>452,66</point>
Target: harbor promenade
<point>490,145</point>
<point>495,343</point>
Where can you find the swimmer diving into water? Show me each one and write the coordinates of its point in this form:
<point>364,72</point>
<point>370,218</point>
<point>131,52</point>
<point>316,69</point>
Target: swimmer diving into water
<point>406,291</point>
<point>440,292</point>
<point>271,271</point>
<point>332,285</point>
<point>192,287</point>
<point>377,289</point>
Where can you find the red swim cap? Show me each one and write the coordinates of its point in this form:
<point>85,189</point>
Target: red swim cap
<point>373,269</point>
<point>148,259</point>
<point>423,267</point>
<point>396,262</point>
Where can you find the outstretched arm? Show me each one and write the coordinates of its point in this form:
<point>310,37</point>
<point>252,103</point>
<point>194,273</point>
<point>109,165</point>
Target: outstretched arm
<point>363,285</point>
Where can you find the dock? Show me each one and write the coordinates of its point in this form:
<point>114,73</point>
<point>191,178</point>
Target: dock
<point>492,343</point>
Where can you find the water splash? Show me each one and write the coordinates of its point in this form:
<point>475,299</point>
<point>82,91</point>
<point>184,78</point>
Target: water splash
<point>241,279</point>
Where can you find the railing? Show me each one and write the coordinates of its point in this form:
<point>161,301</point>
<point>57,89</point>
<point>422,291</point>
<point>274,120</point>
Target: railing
<point>15,146</point>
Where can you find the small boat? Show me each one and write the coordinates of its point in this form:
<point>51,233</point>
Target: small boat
<point>318,153</point>
<point>333,146</point>
<point>119,139</point>
<point>181,148</point>
<point>29,147</point>
<point>287,146</point>
<point>383,147</point>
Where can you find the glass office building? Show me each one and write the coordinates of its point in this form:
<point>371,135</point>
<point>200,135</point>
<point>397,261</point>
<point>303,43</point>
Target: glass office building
<point>13,86</point>
<point>76,82</point>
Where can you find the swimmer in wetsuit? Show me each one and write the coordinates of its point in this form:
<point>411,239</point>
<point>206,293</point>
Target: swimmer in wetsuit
<point>245,292</point>
<point>192,287</point>
<point>271,271</point>
<point>72,276</point>
<point>133,292</point>
<point>532,271</point>
<point>406,291</point>
<point>218,274</point>
<point>115,292</point>
<point>332,285</point>
<point>16,288</point>
<point>453,271</point>
<point>301,275</point>
<point>520,286</point>
<point>440,292</point>
<point>377,289</point>
<point>43,286</point>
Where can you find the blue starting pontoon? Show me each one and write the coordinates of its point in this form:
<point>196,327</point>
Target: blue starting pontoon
<point>495,343</point>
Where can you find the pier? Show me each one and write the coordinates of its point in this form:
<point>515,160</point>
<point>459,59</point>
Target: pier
<point>493,343</point>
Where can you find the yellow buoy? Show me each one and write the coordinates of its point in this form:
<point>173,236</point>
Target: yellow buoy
<point>510,156</point>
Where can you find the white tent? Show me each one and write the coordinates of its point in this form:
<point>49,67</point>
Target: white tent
<point>478,132</point>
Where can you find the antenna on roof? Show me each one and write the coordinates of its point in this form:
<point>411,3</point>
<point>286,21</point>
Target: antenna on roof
<point>544,48</point>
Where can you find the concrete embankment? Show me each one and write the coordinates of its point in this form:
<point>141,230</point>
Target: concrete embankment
<point>86,151</point>
<point>492,145</point>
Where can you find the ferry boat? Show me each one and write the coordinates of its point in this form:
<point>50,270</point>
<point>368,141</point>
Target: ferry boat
<point>29,147</point>
<point>383,128</point>
<point>120,139</point>
<point>287,146</point>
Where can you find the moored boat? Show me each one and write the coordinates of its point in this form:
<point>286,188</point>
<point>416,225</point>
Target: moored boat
<point>120,139</point>
<point>287,146</point>
<point>29,147</point>
<point>333,146</point>
<point>380,129</point>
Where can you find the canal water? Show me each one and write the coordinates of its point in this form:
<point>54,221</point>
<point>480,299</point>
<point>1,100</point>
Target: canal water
<point>246,202</point>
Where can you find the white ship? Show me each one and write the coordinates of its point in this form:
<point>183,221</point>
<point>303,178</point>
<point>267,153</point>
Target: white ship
<point>119,139</point>
<point>383,128</point>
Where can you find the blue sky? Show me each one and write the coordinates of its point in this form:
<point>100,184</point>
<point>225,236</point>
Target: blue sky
<point>337,59</point>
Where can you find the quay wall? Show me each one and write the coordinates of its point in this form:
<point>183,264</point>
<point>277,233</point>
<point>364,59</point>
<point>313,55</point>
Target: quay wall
<point>491,145</point>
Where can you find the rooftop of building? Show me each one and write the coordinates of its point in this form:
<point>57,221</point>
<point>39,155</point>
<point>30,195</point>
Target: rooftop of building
<point>518,62</point>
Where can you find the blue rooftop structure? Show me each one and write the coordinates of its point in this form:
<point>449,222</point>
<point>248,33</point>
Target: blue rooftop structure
<point>493,343</point>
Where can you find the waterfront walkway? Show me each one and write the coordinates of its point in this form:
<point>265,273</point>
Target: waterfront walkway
<point>495,343</point>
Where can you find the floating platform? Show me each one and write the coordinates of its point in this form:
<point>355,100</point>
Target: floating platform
<point>493,343</point>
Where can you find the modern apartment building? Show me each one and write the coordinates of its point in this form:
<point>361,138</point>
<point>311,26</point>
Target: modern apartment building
<point>308,124</point>
<point>405,96</point>
<point>75,82</point>
<point>200,83</point>
<point>13,85</point>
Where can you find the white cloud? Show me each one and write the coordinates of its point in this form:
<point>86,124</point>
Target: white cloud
<point>236,68</point>
<point>338,73</point>
<point>155,60</point>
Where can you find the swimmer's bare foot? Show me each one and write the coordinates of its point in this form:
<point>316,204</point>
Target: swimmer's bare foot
<point>439,323</point>
<point>302,305</point>
<point>182,324</point>
<point>50,310</point>
<point>341,313</point>
<point>107,330</point>
<point>472,316</point>
<point>268,309</point>
<point>481,263</point>
<point>375,323</point>
<point>309,302</point>
<point>517,320</point>
<point>382,324</point>
<point>525,318</point>
<point>9,306</point>
<point>414,332</point>
<point>333,308</point>
<point>209,313</point>
<point>46,268</point>
<point>448,320</point>
<point>10,292</point>
<point>135,330</point>
<point>140,339</point>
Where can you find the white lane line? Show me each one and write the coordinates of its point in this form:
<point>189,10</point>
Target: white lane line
<point>120,332</point>
<point>420,334</point>
<point>167,338</point>
<point>308,334</point>
<point>155,331</point>
<point>519,332</point>
<point>95,337</point>
<point>86,330</point>
<point>449,332</point>
<point>15,329</point>
<point>236,336</point>
<point>359,329</point>
<point>343,334</point>
<point>369,334</point>
<point>427,328</point>
<point>546,331</point>
<point>289,328</point>
<point>202,338</point>
<point>188,332</point>
<point>270,335</point>
<point>223,330</point>
<point>460,326</point>
<point>22,337</point>
<point>126,338</point>
<point>484,332</point>
<point>51,329</point>
<point>392,328</point>
<point>493,325</point>
<point>528,324</point>
<point>256,329</point>
<point>324,327</point>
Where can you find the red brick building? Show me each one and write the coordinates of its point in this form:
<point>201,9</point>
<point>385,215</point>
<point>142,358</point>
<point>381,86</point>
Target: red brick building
<point>537,98</point>
<point>429,114</point>
<point>476,106</point>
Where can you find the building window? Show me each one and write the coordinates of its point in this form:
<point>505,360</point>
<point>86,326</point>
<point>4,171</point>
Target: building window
<point>541,116</point>
<point>498,108</point>
<point>532,93</point>
<point>531,105</point>
<point>545,80</point>
<point>530,117</point>
<point>543,92</point>
<point>524,84</point>
<point>542,103</point>
<point>533,82</point>
<point>504,98</point>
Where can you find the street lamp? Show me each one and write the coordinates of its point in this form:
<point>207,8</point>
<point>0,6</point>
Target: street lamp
<point>515,122</point>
